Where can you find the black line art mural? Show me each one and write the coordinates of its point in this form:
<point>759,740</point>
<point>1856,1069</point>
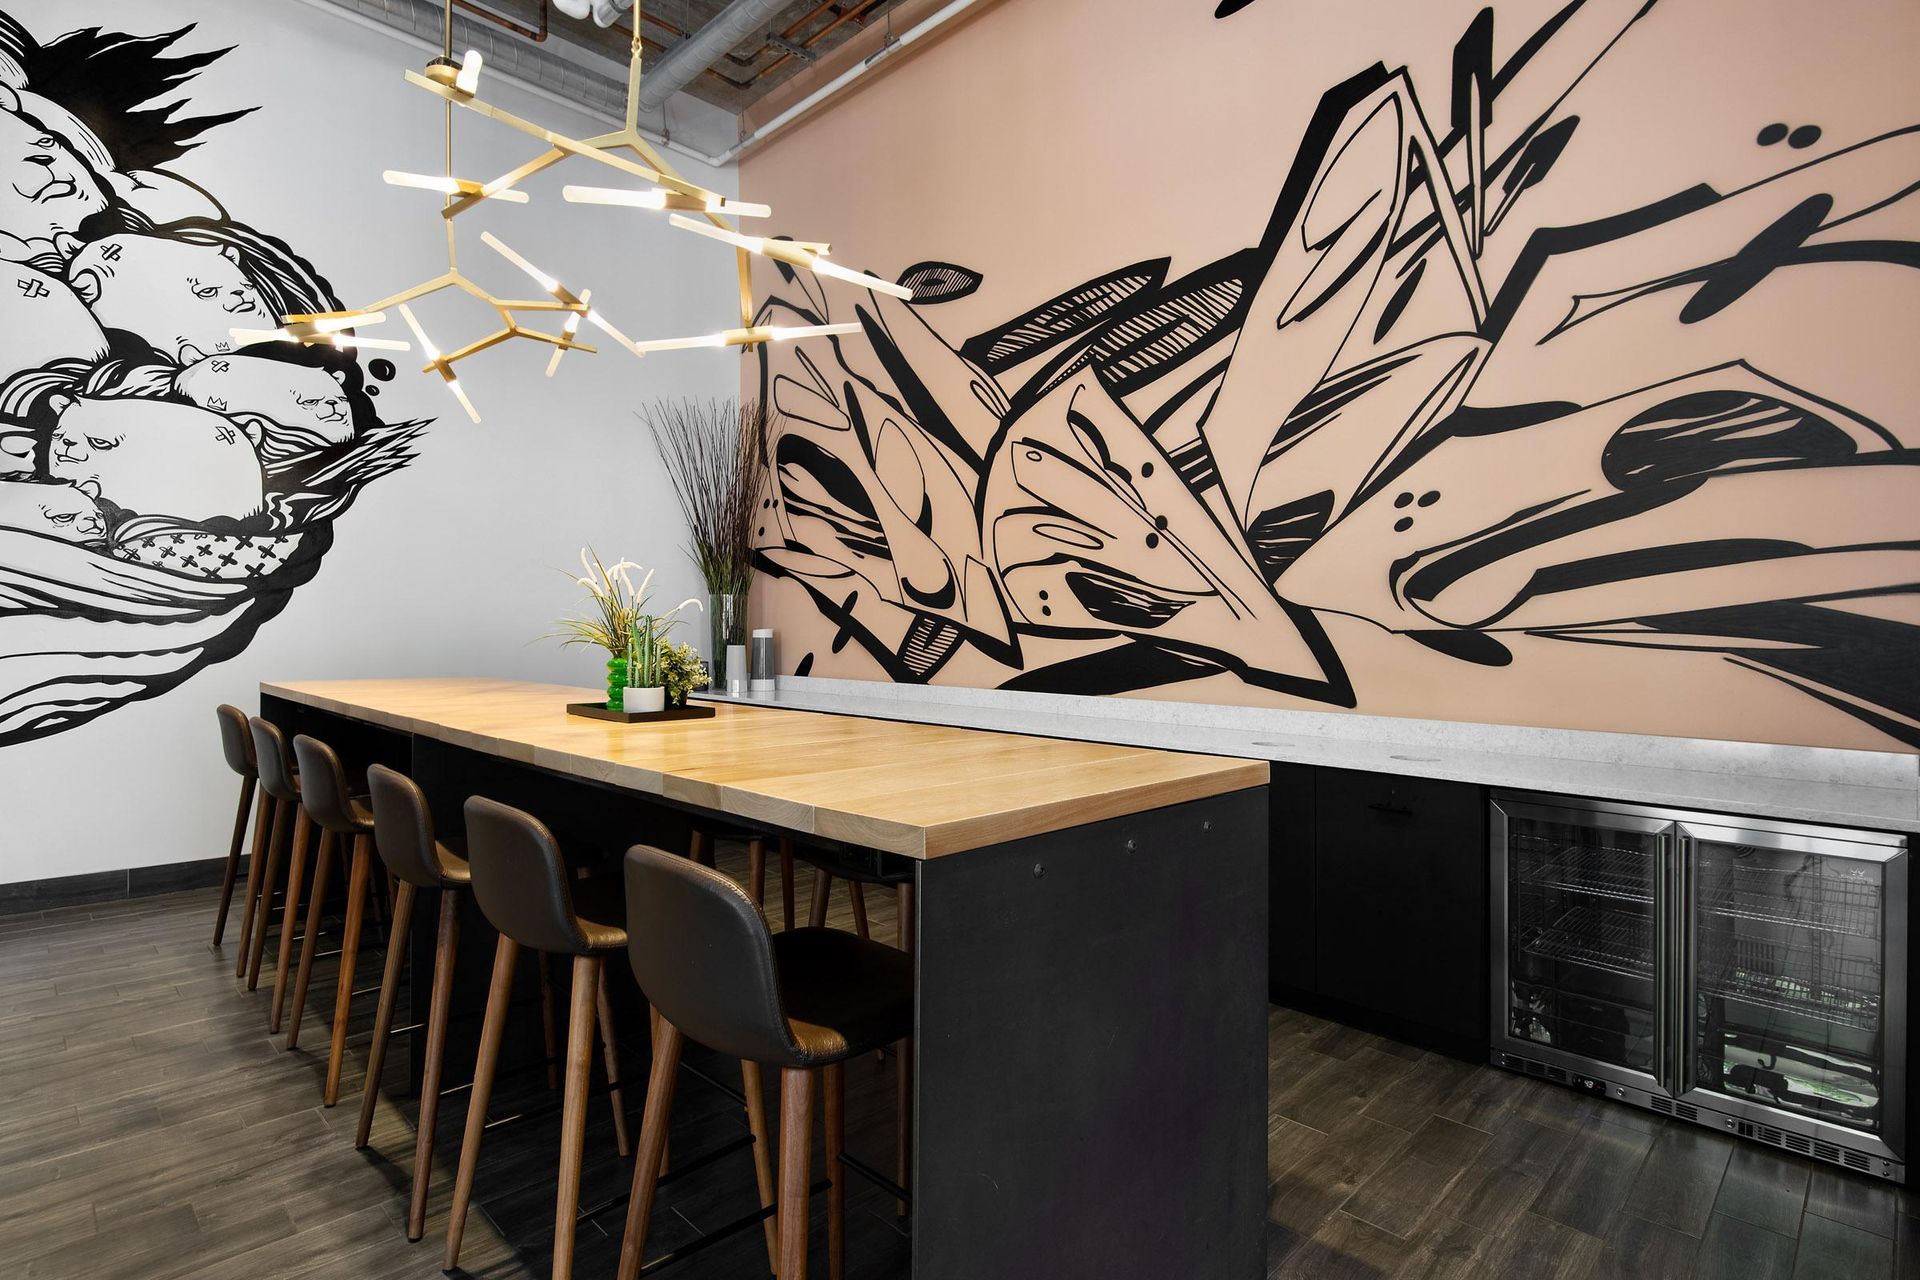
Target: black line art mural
<point>1614,434</point>
<point>161,493</point>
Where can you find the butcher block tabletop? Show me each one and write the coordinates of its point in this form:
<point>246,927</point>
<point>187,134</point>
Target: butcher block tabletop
<point>916,789</point>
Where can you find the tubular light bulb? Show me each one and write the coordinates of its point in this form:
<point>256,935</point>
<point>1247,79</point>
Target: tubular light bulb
<point>348,341</point>
<point>460,394</point>
<point>788,332</point>
<point>247,336</point>
<point>426,344</point>
<point>351,320</point>
<point>752,244</point>
<point>661,198</point>
<point>449,186</point>
<point>468,81</point>
<point>684,344</point>
<point>654,199</point>
<point>599,322</point>
<point>738,208</point>
<point>811,257</point>
<point>424,181</point>
<point>822,267</point>
<point>540,277</point>
<point>571,327</point>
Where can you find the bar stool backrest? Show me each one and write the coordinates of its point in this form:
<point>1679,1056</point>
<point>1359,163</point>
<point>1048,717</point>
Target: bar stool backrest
<point>273,759</point>
<point>520,880</point>
<point>701,951</point>
<point>323,787</point>
<point>403,827</point>
<point>236,740</point>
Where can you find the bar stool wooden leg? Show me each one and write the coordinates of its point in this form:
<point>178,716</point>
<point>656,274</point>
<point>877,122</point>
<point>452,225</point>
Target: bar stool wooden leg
<point>276,850</point>
<point>499,996</point>
<point>859,894</point>
<point>697,848</point>
<point>233,859</point>
<point>349,952</point>
<point>653,1145</point>
<point>833,1096</point>
<point>446,949</point>
<point>796,1168</point>
<point>262,820</point>
<point>754,1087</point>
<point>383,1018</point>
<point>573,1114</point>
<point>610,1055</point>
<point>290,918</point>
<point>907,939</point>
<point>757,869</point>
<point>786,877</point>
<point>550,1036</point>
<point>310,944</point>
<point>822,891</point>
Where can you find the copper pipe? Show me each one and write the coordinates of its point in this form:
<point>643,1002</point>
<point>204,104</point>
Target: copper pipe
<point>501,20</point>
<point>857,12</point>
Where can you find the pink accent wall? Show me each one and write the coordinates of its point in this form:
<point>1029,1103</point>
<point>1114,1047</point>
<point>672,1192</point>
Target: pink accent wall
<point>1615,434</point>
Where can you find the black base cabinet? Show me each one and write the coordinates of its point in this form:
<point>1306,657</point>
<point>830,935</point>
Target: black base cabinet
<point>1379,903</point>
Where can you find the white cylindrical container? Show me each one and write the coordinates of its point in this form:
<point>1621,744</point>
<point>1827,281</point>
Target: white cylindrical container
<point>762,666</point>
<point>645,699</point>
<point>736,670</point>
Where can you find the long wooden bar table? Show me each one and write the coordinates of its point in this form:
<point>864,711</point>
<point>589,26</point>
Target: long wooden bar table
<point>1091,928</point>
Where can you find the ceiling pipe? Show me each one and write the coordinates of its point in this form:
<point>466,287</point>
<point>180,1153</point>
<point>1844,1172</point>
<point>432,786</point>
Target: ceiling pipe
<point>737,22</point>
<point>537,35</point>
<point>828,90</point>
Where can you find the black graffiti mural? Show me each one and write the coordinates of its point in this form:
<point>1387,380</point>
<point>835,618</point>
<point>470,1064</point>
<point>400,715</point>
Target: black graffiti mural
<point>162,493</point>
<point>1612,432</point>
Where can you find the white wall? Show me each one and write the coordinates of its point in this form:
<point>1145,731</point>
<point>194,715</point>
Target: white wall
<point>450,566</point>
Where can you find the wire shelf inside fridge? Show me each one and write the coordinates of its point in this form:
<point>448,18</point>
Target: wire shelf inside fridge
<point>1599,871</point>
<point>1794,978</point>
<point>1829,895</point>
<point>1600,938</point>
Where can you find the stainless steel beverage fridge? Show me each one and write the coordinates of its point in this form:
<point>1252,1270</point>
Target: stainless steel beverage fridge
<point>1739,973</point>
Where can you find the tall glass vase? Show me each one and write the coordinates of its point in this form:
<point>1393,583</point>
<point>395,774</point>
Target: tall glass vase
<point>727,619</point>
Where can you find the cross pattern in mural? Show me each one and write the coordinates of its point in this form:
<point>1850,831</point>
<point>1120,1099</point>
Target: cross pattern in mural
<point>1359,416</point>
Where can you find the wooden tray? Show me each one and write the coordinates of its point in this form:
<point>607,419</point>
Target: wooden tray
<point>598,711</point>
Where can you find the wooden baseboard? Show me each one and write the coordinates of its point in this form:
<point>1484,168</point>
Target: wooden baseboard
<point>26,896</point>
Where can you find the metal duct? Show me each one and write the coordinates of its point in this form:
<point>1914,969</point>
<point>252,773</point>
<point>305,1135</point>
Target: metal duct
<point>680,64</point>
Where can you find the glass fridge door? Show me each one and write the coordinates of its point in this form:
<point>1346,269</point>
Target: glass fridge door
<point>1578,978</point>
<point>1795,973</point>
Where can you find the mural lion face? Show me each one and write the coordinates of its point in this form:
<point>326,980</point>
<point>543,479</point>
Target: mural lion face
<point>45,189</point>
<point>183,298</point>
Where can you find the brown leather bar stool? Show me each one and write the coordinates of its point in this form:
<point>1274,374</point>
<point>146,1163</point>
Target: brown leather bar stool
<point>236,743</point>
<point>278,779</point>
<point>342,817</point>
<point>526,891</point>
<point>859,875</point>
<point>705,839</point>
<point>804,1000</point>
<point>403,835</point>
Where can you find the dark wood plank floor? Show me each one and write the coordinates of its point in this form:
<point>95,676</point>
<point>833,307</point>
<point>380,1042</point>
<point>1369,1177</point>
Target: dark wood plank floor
<point>150,1128</point>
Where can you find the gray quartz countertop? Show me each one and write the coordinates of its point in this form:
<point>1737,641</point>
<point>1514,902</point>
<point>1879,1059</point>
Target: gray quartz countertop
<point>1879,790</point>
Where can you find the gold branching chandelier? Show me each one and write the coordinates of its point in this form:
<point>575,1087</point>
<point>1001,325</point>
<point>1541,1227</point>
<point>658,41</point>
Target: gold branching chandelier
<point>624,150</point>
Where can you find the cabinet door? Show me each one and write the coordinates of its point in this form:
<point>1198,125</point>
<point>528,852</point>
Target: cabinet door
<point>1290,937</point>
<point>1400,885</point>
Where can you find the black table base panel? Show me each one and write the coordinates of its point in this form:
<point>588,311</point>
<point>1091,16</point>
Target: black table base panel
<point>1091,1052</point>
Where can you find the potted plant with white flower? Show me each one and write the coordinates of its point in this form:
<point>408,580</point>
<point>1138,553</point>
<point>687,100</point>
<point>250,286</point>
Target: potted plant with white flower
<point>617,618</point>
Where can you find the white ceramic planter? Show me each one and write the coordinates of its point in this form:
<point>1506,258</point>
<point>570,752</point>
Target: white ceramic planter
<point>646,700</point>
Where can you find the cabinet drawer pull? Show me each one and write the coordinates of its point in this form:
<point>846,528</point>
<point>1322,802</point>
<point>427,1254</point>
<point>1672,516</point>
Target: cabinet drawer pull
<point>1400,810</point>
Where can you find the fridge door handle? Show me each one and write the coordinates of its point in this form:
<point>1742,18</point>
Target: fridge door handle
<point>1662,961</point>
<point>1680,979</point>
